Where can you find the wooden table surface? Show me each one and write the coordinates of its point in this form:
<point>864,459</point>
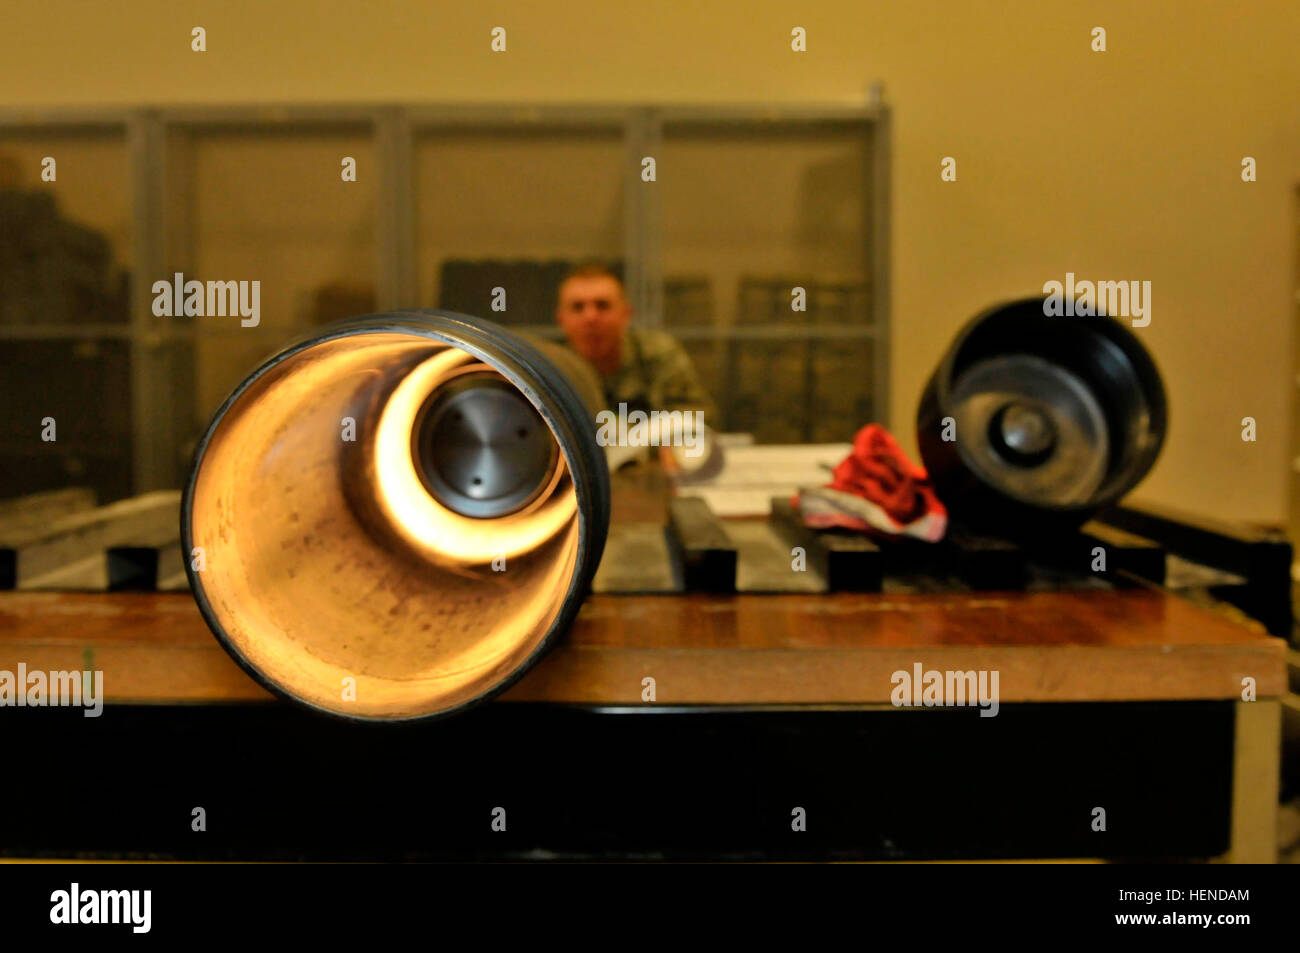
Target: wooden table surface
<point>837,648</point>
<point>841,648</point>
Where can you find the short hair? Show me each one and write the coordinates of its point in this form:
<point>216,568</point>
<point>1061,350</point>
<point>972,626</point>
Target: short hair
<point>592,268</point>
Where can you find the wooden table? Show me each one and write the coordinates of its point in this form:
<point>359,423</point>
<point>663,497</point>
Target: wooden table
<point>1072,665</point>
<point>837,650</point>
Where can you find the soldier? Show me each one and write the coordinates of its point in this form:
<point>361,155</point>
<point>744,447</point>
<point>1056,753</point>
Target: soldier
<point>644,368</point>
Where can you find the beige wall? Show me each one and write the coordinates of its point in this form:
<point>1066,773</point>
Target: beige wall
<point>1116,165</point>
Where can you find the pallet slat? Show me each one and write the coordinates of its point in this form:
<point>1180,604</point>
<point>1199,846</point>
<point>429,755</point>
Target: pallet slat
<point>765,563</point>
<point>986,562</point>
<point>1261,556</point>
<point>637,558</point>
<point>37,508</point>
<point>70,552</point>
<point>850,562</point>
<point>700,542</point>
<point>148,563</point>
<point>1127,552</point>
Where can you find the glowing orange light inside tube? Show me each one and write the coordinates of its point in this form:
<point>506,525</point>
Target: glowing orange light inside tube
<point>439,533</point>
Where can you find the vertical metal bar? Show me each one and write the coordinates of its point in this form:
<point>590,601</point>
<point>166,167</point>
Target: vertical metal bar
<point>1256,773</point>
<point>810,345</point>
<point>1293,483</point>
<point>643,218</point>
<point>878,267</point>
<point>396,284</point>
<point>180,202</point>
<point>153,440</point>
<point>183,347</point>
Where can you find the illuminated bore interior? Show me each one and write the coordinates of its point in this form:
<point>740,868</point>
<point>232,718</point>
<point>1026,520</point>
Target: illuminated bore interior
<point>380,558</point>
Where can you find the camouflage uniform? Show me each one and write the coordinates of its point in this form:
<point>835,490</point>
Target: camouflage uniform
<point>655,373</point>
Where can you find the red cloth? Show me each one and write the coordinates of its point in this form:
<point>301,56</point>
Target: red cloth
<point>877,488</point>
<point>879,470</point>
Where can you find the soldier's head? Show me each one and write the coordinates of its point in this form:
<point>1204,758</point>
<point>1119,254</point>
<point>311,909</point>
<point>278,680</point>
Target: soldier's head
<point>593,311</point>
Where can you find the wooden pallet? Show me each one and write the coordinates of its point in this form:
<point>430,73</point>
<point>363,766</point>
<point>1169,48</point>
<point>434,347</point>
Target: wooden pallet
<point>61,540</point>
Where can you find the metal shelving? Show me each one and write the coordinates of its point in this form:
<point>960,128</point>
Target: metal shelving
<point>394,132</point>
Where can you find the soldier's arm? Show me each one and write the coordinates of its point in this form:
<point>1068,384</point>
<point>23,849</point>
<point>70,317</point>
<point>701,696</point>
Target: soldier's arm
<point>679,385</point>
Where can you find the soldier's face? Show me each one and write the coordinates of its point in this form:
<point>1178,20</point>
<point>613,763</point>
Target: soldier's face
<point>593,313</point>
